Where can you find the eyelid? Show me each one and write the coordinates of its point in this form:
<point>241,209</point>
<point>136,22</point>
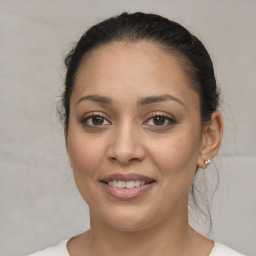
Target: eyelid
<point>160,113</point>
<point>89,115</point>
<point>171,119</point>
<point>168,116</point>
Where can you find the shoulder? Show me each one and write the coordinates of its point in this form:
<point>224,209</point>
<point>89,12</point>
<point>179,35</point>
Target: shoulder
<point>57,250</point>
<point>222,250</point>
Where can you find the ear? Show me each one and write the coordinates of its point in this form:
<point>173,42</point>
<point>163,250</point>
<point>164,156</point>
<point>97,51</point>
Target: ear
<point>211,139</point>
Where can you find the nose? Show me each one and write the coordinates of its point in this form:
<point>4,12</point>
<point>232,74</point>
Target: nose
<point>126,145</point>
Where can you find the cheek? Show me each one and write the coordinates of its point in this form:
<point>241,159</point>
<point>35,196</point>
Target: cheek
<point>86,157</point>
<point>86,154</point>
<point>176,156</point>
<point>175,160</point>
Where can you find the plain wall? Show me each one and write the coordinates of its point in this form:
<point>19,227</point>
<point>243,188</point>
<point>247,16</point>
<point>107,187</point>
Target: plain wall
<point>39,203</point>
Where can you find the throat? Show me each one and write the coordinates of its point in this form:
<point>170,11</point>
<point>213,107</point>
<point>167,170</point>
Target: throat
<point>152,241</point>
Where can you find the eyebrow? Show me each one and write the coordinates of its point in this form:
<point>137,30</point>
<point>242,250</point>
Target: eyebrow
<point>142,102</point>
<point>97,98</point>
<point>160,98</point>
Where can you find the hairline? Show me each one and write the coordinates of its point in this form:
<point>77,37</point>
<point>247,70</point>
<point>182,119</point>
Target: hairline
<point>184,61</point>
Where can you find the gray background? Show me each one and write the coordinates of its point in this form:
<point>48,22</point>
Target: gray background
<point>39,203</point>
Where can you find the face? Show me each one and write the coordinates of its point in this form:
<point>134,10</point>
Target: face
<point>134,135</point>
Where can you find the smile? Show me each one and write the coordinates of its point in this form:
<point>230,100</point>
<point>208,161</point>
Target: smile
<point>127,186</point>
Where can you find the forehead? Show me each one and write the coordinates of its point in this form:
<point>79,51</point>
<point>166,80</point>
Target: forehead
<point>133,68</point>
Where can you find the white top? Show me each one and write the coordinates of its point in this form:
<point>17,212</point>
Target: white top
<point>61,250</point>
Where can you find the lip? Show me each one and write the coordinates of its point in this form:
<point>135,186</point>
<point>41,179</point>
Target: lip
<point>126,177</point>
<point>127,193</point>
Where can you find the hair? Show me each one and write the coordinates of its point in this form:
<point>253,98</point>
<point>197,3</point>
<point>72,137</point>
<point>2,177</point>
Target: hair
<point>136,27</point>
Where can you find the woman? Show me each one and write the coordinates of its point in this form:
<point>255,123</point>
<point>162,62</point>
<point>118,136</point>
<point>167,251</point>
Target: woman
<point>140,114</point>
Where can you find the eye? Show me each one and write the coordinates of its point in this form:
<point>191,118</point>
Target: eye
<point>160,120</point>
<point>95,120</point>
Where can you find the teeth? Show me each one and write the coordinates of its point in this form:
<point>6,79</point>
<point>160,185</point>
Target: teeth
<point>137,183</point>
<point>126,184</point>
<point>129,184</point>
<point>121,184</point>
<point>114,184</point>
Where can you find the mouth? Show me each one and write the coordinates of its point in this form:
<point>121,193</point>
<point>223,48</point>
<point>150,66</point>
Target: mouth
<point>127,186</point>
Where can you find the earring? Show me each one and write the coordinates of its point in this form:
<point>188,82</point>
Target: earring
<point>207,162</point>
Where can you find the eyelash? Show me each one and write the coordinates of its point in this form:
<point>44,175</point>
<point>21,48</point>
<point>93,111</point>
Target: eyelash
<point>84,120</point>
<point>170,120</point>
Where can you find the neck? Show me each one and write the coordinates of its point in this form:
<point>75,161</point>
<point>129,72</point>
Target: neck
<point>172,237</point>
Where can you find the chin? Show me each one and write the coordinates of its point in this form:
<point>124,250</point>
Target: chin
<point>126,219</point>
<point>129,226</point>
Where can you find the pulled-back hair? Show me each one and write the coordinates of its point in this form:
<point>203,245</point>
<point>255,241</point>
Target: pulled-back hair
<point>137,27</point>
<point>173,37</point>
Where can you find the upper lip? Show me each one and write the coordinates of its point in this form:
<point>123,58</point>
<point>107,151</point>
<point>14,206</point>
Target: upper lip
<point>126,177</point>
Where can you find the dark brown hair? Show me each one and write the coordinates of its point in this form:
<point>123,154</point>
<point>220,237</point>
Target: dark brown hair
<point>173,37</point>
<point>151,27</point>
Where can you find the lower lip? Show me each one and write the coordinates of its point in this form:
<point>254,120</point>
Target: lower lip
<point>127,193</point>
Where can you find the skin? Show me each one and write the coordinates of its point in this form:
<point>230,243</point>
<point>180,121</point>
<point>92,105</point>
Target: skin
<point>129,141</point>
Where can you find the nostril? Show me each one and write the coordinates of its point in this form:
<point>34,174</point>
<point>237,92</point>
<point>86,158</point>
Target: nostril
<point>123,160</point>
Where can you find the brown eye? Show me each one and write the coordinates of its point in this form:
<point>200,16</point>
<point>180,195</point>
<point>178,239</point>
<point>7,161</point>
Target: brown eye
<point>97,120</point>
<point>159,120</point>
